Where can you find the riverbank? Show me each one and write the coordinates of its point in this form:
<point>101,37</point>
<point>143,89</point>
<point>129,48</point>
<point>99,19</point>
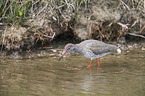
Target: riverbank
<point>55,49</point>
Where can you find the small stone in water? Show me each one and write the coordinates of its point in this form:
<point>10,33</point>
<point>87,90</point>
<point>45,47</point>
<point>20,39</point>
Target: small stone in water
<point>142,48</point>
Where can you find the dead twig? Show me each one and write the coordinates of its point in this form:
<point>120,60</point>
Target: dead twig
<point>133,34</point>
<point>124,26</point>
<point>50,36</point>
<point>42,9</point>
<point>125,5</point>
<point>142,29</point>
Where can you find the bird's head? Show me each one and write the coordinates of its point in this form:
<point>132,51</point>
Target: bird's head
<point>68,48</point>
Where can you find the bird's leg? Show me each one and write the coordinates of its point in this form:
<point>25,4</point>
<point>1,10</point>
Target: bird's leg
<point>98,63</point>
<point>90,64</point>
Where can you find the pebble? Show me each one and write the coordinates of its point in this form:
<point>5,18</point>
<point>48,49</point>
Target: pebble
<point>142,48</point>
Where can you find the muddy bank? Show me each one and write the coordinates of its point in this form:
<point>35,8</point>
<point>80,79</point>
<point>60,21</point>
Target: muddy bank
<point>55,49</point>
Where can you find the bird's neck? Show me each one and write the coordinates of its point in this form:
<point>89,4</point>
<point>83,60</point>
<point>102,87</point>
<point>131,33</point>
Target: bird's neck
<point>77,49</point>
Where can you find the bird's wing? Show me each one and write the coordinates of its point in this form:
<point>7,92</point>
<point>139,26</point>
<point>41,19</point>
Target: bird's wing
<point>102,48</point>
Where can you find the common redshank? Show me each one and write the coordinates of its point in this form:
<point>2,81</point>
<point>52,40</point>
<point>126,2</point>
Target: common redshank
<point>91,49</point>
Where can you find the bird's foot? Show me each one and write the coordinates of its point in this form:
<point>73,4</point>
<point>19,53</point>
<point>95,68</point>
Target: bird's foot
<point>79,69</point>
<point>88,67</point>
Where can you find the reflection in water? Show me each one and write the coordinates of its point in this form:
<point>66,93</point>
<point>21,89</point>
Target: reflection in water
<point>95,83</point>
<point>120,76</point>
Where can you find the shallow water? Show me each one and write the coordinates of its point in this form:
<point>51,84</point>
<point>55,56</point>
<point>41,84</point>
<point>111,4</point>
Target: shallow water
<point>121,75</point>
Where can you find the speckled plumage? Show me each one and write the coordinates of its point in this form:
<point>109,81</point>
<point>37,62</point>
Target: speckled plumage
<point>90,49</point>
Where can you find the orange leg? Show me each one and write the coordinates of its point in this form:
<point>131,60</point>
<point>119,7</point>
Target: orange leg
<point>98,62</point>
<point>90,64</point>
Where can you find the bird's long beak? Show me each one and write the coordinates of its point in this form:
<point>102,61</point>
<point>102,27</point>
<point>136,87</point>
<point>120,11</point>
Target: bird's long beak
<point>62,56</point>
